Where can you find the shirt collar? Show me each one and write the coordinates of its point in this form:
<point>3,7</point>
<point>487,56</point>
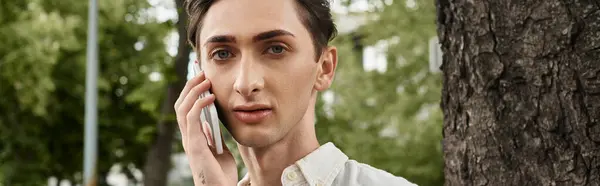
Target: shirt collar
<point>322,165</point>
<point>319,167</point>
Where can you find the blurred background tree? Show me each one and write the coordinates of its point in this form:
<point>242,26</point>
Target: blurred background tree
<point>387,117</point>
<point>42,76</point>
<point>382,110</point>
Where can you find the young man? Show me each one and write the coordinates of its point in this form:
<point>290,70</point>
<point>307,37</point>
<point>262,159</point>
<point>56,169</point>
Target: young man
<point>265,61</point>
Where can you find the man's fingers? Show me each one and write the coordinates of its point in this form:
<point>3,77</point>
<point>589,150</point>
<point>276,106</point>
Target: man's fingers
<point>195,136</point>
<point>182,123</point>
<point>206,127</point>
<point>199,153</point>
<point>207,133</point>
<point>192,96</point>
<point>182,112</point>
<point>187,103</point>
<point>188,86</point>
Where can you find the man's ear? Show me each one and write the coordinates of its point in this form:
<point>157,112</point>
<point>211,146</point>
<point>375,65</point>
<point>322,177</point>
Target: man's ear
<point>326,72</point>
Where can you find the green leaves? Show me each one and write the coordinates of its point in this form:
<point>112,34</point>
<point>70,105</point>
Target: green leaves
<point>42,83</point>
<point>390,120</point>
<point>31,47</point>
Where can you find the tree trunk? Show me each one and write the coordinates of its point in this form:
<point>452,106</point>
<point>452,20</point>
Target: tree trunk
<point>521,91</point>
<point>158,162</point>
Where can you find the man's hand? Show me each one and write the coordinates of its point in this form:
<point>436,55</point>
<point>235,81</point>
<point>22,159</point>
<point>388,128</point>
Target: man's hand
<point>208,167</point>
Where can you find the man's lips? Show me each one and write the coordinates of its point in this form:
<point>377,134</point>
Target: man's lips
<point>252,116</point>
<point>252,113</point>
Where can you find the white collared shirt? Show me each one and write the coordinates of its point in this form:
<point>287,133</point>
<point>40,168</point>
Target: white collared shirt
<point>329,166</point>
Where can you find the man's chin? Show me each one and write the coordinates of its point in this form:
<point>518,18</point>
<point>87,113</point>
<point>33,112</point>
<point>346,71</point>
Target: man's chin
<point>255,139</point>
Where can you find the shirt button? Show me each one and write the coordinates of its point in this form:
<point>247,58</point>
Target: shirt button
<point>292,176</point>
<point>319,184</point>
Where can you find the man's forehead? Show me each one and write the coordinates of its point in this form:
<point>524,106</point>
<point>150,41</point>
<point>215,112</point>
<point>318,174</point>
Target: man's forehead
<point>247,18</point>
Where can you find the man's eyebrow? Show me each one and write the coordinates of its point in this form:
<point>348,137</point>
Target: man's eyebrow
<point>220,39</point>
<point>271,34</point>
<point>260,37</point>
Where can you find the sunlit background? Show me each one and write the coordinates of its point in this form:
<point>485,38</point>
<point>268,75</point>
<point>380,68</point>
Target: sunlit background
<point>383,108</point>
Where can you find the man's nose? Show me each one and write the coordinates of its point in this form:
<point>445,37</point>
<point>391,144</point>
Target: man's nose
<point>249,79</point>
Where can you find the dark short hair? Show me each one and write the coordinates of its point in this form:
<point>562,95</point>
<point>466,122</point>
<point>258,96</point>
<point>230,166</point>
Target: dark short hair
<point>315,15</point>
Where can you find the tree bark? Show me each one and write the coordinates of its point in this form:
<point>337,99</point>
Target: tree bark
<point>521,91</point>
<point>158,161</point>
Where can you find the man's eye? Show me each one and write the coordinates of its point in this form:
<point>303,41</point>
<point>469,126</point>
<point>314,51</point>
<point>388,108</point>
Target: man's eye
<point>276,49</point>
<point>221,54</point>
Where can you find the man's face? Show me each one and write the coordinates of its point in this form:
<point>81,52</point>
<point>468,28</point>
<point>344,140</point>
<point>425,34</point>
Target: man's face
<point>261,63</point>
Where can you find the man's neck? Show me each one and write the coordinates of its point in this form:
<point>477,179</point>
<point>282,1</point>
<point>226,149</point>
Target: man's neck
<point>266,164</point>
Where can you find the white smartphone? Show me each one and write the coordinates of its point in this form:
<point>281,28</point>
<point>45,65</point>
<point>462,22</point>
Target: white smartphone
<point>209,114</point>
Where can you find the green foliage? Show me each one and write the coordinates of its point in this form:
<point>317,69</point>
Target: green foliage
<point>390,120</point>
<point>376,118</point>
<point>42,83</point>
